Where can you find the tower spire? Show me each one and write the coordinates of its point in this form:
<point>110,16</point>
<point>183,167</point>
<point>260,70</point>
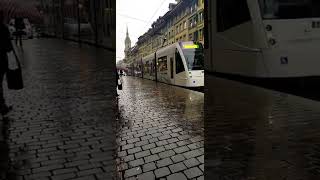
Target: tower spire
<point>127,44</point>
<point>127,31</point>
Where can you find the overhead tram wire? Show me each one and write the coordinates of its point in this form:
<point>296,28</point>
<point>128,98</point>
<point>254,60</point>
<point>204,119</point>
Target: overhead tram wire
<point>147,22</point>
<point>130,17</point>
<point>163,1</point>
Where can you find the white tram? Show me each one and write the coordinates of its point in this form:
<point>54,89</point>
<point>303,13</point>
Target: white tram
<point>263,38</point>
<point>179,64</point>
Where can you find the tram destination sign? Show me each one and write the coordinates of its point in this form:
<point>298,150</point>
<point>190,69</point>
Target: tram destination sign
<point>190,46</point>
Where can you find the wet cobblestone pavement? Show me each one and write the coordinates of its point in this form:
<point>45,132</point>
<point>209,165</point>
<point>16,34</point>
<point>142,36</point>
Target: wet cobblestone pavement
<point>160,133</point>
<point>61,124</point>
<point>257,134</point>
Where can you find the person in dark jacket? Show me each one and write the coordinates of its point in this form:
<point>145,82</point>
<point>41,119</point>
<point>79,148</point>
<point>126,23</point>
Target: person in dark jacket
<point>19,26</point>
<point>5,47</point>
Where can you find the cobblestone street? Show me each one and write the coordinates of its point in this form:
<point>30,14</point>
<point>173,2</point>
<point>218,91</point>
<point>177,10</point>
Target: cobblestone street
<point>160,133</point>
<point>258,134</point>
<point>61,123</point>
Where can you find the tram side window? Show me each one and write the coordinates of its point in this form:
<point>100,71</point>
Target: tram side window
<point>146,67</point>
<point>162,64</point>
<point>179,63</point>
<point>232,13</point>
<point>152,68</point>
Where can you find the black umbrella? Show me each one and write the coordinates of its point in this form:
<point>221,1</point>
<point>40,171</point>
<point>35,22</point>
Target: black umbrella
<point>13,8</point>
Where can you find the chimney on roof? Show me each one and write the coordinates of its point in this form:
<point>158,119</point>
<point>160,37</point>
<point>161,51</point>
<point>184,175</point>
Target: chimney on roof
<point>171,6</point>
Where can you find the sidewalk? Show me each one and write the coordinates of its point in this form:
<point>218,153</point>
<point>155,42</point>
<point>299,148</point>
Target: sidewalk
<point>161,131</point>
<point>61,124</point>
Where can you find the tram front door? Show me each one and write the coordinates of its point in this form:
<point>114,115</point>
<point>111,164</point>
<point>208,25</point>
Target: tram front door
<point>172,70</point>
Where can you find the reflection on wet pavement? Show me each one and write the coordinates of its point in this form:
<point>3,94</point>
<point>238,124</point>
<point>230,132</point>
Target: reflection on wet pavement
<point>61,125</point>
<point>253,133</point>
<point>161,131</point>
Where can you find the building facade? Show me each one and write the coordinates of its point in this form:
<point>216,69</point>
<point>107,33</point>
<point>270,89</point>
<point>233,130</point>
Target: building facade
<point>183,22</point>
<point>80,20</point>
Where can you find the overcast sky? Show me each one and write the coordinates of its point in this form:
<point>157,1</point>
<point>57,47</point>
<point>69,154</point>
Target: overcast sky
<point>138,15</point>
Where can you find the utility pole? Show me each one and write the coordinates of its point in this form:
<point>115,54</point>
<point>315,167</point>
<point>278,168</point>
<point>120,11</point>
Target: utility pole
<point>142,68</point>
<point>155,66</point>
<point>78,12</point>
<point>53,19</point>
<point>95,21</point>
<point>61,18</point>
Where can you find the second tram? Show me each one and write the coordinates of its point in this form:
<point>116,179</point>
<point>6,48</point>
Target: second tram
<point>178,64</point>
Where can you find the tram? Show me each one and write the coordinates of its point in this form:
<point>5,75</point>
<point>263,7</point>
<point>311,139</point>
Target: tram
<point>270,39</point>
<point>179,64</point>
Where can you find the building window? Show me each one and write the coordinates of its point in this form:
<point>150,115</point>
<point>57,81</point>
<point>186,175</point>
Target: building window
<point>185,24</point>
<point>201,34</point>
<point>193,21</point>
<point>187,11</point>
<point>201,17</point>
<point>195,37</point>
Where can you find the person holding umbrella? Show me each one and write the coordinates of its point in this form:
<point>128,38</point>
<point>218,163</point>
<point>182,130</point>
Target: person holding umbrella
<point>5,47</point>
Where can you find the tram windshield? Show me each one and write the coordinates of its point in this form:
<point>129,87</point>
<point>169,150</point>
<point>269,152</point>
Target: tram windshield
<point>194,56</point>
<point>289,9</point>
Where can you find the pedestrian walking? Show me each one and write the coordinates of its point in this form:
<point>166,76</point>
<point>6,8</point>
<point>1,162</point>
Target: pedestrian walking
<point>5,47</point>
<point>19,26</point>
<point>117,78</point>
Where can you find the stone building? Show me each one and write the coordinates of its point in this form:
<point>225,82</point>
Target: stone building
<point>184,21</point>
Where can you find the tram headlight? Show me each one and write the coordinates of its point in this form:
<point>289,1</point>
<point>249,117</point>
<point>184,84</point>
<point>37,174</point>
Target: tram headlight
<point>269,28</point>
<point>272,41</point>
